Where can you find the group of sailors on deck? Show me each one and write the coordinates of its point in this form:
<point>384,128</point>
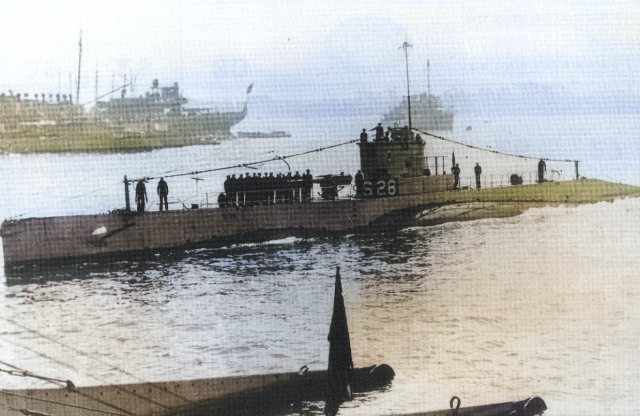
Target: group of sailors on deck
<point>396,134</point>
<point>259,189</point>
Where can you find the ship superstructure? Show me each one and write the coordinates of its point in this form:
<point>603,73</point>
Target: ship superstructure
<point>162,109</point>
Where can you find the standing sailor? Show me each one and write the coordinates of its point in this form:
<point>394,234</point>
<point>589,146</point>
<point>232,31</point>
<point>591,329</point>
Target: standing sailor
<point>141,195</point>
<point>542,168</point>
<point>477,170</point>
<point>363,136</point>
<point>359,184</point>
<point>163,191</point>
<point>379,132</point>
<point>456,176</point>
<point>307,185</point>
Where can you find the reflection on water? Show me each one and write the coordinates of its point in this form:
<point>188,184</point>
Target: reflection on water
<point>244,260</point>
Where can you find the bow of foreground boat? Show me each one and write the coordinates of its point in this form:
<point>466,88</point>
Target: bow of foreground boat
<point>241,395</point>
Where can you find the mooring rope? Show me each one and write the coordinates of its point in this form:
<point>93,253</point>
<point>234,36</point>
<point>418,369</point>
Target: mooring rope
<point>67,383</point>
<point>16,371</point>
<point>492,151</point>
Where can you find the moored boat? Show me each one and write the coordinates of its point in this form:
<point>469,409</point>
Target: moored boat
<point>527,407</point>
<point>240,395</point>
<point>276,134</point>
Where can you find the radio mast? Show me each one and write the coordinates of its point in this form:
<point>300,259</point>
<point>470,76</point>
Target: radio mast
<point>79,66</point>
<point>406,45</point>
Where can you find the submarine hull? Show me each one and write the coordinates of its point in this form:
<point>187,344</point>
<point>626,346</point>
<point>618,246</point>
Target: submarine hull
<point>115,234</point>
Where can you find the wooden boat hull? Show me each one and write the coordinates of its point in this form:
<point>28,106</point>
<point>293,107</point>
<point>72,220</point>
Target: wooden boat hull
<point>242,395</point>
<point>528,407</point>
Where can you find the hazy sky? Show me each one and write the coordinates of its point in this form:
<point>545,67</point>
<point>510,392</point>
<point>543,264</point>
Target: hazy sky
<point>319,47</point>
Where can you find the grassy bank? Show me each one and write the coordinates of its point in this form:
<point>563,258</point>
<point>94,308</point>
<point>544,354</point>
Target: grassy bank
<point>93,141</point>
<point>580,191</point>
<point>509,201</point>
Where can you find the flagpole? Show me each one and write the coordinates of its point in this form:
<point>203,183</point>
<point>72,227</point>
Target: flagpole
<point>406,46</point>
<point>428,82</point>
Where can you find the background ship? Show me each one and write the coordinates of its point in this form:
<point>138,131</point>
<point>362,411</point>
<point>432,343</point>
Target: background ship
<point>426,114</point>
<point>56,122</point>
<point>162,111</point>
<point>159,116</point>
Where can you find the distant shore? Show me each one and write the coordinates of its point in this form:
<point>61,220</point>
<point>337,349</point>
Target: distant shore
<point>471,204</point>
<point>97,142</point>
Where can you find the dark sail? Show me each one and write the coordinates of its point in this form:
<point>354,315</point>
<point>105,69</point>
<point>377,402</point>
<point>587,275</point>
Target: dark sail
<point>340,361</point>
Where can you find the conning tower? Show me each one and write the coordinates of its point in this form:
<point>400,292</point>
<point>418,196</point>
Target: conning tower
<point>395,164</point>
<point>401,156</point>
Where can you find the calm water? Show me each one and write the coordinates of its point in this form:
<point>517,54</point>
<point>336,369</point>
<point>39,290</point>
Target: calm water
<point>545,303</point>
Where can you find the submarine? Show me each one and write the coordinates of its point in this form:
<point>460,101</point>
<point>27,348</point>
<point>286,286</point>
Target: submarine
<point>393,185</point>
